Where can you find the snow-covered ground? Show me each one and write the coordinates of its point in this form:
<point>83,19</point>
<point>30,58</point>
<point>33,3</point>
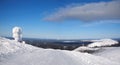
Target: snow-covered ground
<point>15,53</point>
<point>111,53</point>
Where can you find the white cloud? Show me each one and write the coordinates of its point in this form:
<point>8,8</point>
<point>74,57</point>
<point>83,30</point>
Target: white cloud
<point>88,12</point>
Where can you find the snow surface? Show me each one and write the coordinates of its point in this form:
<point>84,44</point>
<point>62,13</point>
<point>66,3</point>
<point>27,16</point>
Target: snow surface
<point>15,53</point>
<point>112,53</point>
<point>9,46</point>
<point>102,42</point>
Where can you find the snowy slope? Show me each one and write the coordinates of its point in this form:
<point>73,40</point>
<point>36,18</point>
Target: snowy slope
<point>14,53</point>
<point>9,46</point>
<point>112,53</point>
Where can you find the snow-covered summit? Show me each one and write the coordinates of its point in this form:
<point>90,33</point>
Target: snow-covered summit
<point>103,42</point>
<point>96,43</point>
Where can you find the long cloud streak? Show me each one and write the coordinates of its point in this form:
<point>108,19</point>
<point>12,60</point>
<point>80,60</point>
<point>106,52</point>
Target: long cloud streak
<point>88,12</point>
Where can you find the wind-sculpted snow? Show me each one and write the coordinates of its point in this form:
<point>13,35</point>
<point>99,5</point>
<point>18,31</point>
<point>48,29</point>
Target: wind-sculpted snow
<point>24,54</point>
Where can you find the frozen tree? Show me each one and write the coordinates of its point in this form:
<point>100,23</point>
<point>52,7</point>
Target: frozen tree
<point>17,34</point>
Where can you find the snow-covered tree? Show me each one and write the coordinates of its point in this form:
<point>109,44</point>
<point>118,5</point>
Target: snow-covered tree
<point>17,34</point>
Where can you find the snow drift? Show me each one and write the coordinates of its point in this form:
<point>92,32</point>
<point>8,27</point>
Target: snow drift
<point>15,53</point>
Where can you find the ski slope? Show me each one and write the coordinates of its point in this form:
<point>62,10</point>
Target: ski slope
<point>15,53</point>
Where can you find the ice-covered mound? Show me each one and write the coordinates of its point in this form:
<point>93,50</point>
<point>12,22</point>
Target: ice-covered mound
<point>103,42</point>
<point>38,56</point>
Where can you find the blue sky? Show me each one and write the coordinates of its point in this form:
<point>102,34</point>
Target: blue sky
<point>61,19</point>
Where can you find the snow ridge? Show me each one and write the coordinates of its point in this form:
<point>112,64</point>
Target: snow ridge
<point>38,56</point>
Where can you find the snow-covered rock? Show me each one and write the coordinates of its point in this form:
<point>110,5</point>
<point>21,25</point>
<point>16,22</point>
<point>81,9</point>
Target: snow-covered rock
<point>38,56</point>
<point>103,42</point>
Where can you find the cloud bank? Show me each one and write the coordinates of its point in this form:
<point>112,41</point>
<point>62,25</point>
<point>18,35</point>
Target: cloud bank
<point>88,12</point>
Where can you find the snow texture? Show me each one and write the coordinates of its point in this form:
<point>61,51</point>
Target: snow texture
<point>10,46</point>
<point>111,53</point>
<point>16,53</point>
